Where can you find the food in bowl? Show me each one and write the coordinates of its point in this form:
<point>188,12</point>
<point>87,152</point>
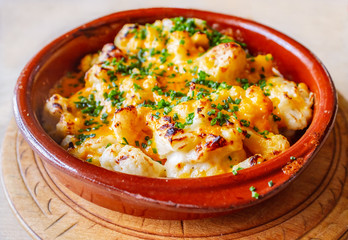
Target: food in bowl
<point>176,99</point>
<point>173,198</point>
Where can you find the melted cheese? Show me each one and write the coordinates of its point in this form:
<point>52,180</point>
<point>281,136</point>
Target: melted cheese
<point>178,99</point>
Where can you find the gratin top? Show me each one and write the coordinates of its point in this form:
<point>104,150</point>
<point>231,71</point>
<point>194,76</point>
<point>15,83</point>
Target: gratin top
<point>176,98</point>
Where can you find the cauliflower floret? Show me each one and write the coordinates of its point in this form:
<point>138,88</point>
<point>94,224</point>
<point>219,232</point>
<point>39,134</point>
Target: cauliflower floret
<point>177,167</point>
<point>224,62</point>
<point>57,119</point>
<point>68,124</point>
<point>200,40</point>
<point>256,108</point>
<point>133,37</point>
<point>126,41</point>
<point>266,143</point>
<point>181,47</point>
<point>293,103</point>
<point>203,162</point>
<point>88,61</point>
<point>92,148</point>
<point>110,51</point>
<point>253,107</point>
<point>260,65</point>
<point>137,91</point>
<point>128,125</point>
<point>199,149</point>
<point>54,108</point>
<point>249,162</point>
<point>131,160</point>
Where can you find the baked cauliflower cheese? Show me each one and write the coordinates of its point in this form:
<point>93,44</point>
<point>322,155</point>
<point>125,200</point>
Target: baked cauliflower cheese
<point>178,99</point>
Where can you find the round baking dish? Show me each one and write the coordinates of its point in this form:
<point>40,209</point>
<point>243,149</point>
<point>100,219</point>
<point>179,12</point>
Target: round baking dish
<point>171,198</point>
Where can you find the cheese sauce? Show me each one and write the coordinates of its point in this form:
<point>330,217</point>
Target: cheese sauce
<point>176,98</point>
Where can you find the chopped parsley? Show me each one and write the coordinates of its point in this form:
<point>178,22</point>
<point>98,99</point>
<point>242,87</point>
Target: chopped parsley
<point>276,118</point>
<point>235,171</point>
<point>143,33</point>
<point>125,142</point>
<point>202,80</point>
<point>220,118</point>
<point>108,145</point>
<point>189,118</point>
<point>264,133</point>
<point>164,55</point>
<point>211,112</point>
<point>184,24</point>
<point>262,83</point>
<point>158,90</point>
<point>90,122</point>
<point>175,117</point>
<point>137,87</point>
<point>156,116</point>
<point>254,194</point>
<point>89,105</point>
<point>162,104</point>
<point>270,183</point>
<point>83,137</point>
<point>104,118</point>
<point>245,123</point>
<point>189,121</point>
<point>214,36</point>
<point>244,83</point>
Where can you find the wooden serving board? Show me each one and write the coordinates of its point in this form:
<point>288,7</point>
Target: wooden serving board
<point>314,206</point>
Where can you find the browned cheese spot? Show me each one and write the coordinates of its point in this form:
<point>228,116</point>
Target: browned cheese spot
<point>122,158</point>
<point>216,142</point>
<point>57,105</point>
<point>253,160</point>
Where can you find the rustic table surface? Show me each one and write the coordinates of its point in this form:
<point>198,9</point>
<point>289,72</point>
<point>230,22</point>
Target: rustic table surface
<point>27,25</point>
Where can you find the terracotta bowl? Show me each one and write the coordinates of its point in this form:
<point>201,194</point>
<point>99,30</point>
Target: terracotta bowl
<point>171,198</point>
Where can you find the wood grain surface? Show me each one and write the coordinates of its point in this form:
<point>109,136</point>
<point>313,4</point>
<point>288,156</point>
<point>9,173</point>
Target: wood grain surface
<point>314,206</point>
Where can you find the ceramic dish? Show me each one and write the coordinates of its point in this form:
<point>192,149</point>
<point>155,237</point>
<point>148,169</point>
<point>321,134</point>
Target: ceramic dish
<point>171,198</point>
